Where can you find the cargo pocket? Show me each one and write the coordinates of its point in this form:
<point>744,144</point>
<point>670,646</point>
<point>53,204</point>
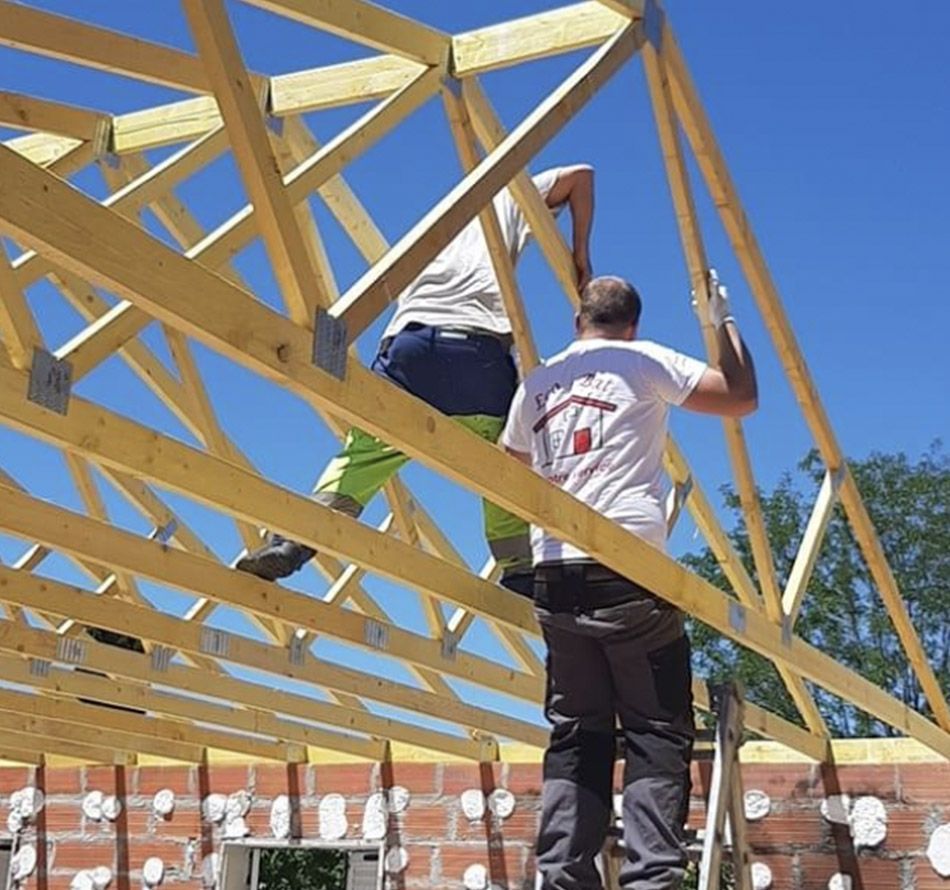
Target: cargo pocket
<point>672,676</point>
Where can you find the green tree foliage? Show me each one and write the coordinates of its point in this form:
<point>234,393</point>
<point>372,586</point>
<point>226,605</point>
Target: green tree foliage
<point>842,613</point>
<point>303,869</point>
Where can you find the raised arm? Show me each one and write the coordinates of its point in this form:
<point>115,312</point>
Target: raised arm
<point>575,187</point>
<point>729,390</point>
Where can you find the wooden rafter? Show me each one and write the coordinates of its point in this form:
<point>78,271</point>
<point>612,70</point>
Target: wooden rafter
<point>81,246</point>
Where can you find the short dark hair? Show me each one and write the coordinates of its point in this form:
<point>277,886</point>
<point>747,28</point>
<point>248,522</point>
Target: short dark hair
<point>609,302</point>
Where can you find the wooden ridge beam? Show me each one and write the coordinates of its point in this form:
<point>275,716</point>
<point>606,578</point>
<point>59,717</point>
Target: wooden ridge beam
<point>267,700</point>
<point>344,84</point>
<point>56,36</point>
<point>535,36</point>
<point>383,283</point>
<point>726,198</point>
<point>166,630</point>
<point>97,541</point>
<point>368,24</point>
<point>96,243</point>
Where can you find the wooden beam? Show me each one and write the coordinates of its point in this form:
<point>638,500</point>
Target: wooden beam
<point>168,124</point>
<point>168,631</point>
<point>726,198</point>
<point>130,730</point>
<point>696,262</point>
<point>18,330</point>
<point>367,24</point>
<point>112,329</point>
<point>84,685</point>
<point>810,546</point>
<point>47,34</point>
<point>13,743</point>
<point>334,85</point>
<point>96,541</point>
<point>262,701</point>
<point>30,113</point>
<point>96,242</point>
<point>533,37</point>
<point>467,147</point>
<point>47,718</point>
<point>255,157</point>
<point>363,302</point>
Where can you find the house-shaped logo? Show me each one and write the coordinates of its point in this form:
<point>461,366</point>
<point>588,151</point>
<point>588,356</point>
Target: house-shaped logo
<point>572,427</point>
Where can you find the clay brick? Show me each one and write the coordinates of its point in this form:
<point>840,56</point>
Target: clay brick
<point>521,825</point>
<point>172,853</point>
<point>419,778</point>
<point>506,866</point>
<point>905,830</point>
<point>83,854</point>
<point>924,782</point>
<point>258,820</point>
<point>183,823</point>
<point>420,863</point>
<point>63,780</point>
<point>345,778</point>
<point>270,780</point>
<point>62,816</point>
<point>700,775</point>
<point>783,876</point>
<point>429,822</point>
<point>925,878</point>
<point>524,778</point>
<point>457,777</point>
<point>227,779</point>
<point>859,780</point>
<point>150,779</point>
<point>782,782</point>
<point>100,778</point>
<point>140,822</point>
<point>875,873</point>
<point>12,778</point>
<point>794,827</point>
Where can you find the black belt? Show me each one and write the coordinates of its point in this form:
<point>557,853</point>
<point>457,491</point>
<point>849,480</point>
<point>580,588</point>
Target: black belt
<point>578,585</point>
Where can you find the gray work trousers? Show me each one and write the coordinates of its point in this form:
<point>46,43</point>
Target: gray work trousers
<point>615,652</point>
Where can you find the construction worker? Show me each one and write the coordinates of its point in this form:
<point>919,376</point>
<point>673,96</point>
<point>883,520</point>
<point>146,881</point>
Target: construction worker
<point>449,343</point>
<point>593,421</point>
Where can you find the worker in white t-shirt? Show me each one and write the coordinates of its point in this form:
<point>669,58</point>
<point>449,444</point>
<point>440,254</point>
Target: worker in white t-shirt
<point>592,420</point>
<point>449,343</point>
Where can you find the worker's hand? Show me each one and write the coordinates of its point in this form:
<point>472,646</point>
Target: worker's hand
<point>582,270</point>
<point>719,309</point>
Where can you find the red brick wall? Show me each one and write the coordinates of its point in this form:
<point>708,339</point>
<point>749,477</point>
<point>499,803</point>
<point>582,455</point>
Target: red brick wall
<point>801,848</point>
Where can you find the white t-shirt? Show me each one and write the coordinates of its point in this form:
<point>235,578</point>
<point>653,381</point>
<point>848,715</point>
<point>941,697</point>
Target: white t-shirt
<point>593,419</point>
<point>458,288</point>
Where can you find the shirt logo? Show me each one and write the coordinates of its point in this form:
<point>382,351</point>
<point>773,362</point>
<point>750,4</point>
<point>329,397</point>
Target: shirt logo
<point>559,433</point>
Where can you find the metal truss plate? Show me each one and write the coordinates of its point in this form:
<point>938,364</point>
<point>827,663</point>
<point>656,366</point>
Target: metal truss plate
<point>215,642</point>
<point>450,645</point>
<point>71,650</point>
<point>329,344</point>
<point>375,634</point>
<point>737,617</point>
<point>39,667</point>
<point>298,649</point>
<point>163,533</point>
<point>50,381</point>
<point>161,658</point>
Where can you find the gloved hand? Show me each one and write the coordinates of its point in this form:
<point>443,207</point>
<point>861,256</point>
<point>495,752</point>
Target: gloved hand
<point>719,309</point>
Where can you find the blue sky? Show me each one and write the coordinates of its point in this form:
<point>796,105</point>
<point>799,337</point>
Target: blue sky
<point>836,130</point>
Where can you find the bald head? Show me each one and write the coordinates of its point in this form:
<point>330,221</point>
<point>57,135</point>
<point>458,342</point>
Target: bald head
<point>610,307</point>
